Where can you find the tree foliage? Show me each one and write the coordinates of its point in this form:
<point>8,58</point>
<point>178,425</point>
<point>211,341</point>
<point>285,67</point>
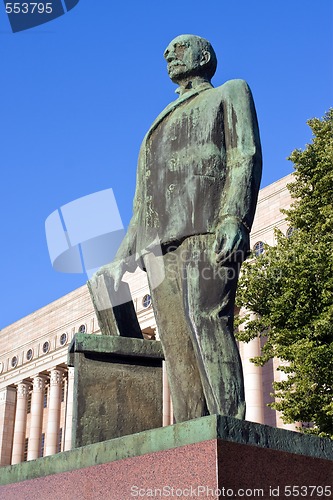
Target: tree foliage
<point>290,288</point>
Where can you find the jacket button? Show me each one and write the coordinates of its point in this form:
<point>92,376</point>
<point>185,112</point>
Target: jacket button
<point>172,163</point>
<point>171,187</point>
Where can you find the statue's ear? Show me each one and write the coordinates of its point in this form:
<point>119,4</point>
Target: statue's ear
<point>205,57</point>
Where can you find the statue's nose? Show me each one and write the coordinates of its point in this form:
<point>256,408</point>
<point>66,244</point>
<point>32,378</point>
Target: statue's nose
<point>170,56</point>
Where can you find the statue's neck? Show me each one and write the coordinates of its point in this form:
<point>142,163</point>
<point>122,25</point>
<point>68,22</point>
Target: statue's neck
<point>191,83</point>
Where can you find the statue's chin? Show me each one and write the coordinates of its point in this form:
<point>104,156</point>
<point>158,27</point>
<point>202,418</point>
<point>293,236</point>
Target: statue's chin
<point>180,74</point>
<point>178,78</point>
<point>174,74</point>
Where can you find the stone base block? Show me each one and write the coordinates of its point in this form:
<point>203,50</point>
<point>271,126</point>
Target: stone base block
<point>117,387</point>
<point>211,457</point>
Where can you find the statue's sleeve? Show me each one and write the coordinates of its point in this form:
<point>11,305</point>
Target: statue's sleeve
<point>127,249</point>
<point>243,153</point>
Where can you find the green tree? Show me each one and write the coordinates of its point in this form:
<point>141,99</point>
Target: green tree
<point>290,288</point>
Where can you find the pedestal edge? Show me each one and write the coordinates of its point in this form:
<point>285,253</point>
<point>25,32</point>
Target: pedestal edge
<point>114,345</point>
<point>165,438</point>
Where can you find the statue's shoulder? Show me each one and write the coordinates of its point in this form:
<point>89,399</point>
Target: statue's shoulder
<point>233,87</point>
<point>228,90</point>
<point>235,93</point>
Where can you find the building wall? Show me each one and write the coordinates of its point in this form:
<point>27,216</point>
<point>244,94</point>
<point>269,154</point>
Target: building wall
<point>268,215</point>
<point>36,385</point>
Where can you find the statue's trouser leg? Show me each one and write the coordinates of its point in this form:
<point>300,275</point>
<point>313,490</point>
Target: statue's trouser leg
<point>209,302</point>
<point>184,378</point>
<point>196,323</point>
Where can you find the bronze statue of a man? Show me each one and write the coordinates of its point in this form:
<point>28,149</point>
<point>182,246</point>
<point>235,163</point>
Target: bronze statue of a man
<point>198,178</point>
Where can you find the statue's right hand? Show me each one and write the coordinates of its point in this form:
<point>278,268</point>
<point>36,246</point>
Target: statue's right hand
<point>115,270</point>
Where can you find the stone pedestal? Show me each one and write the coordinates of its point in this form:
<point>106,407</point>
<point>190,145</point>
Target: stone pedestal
<point>117,387</point>
<point>211,457</point>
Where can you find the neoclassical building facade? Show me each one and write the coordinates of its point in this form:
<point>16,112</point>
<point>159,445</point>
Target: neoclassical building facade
<point>36,384</point>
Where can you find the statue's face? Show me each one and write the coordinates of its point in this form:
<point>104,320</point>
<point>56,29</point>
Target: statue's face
<point>183,57</point>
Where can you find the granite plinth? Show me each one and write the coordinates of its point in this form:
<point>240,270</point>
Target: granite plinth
<point>202,458</point>
<point>117,387</point>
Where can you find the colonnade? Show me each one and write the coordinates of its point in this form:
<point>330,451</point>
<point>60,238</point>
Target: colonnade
<point>31,435</point>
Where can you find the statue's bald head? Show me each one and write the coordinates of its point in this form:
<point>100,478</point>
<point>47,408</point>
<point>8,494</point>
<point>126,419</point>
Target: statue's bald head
<point>190,55</point>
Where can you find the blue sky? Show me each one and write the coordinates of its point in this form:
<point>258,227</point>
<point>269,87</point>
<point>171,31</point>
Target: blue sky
<point>79,93</point>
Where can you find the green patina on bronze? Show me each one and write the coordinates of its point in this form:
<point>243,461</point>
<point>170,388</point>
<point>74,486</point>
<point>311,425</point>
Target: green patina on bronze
<point>213,427</point>
<point>119,320</point>
<point>198,178</point>
<point>117,387</point>
<point>116,346</point>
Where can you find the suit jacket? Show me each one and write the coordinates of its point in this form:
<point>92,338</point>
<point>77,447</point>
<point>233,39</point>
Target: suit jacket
<point>199,163</point>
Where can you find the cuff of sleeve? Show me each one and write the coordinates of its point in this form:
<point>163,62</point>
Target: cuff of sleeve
<point>240,221</point>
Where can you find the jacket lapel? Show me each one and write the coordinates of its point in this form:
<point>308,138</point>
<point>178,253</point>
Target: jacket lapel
<point>174,104</point>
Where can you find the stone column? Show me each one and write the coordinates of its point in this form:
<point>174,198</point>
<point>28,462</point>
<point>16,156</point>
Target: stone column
<point>166,397</point>
<point>252,379</point>
<point>20,422</point>
<point>253,382</point>
<point>36,417</point>
<point>69,409</point>
<point>53,421</point>
<point>171,412</point>
<point>7,413</point>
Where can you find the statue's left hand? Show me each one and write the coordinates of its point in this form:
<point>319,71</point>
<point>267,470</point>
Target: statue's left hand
<point>231,241</point>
